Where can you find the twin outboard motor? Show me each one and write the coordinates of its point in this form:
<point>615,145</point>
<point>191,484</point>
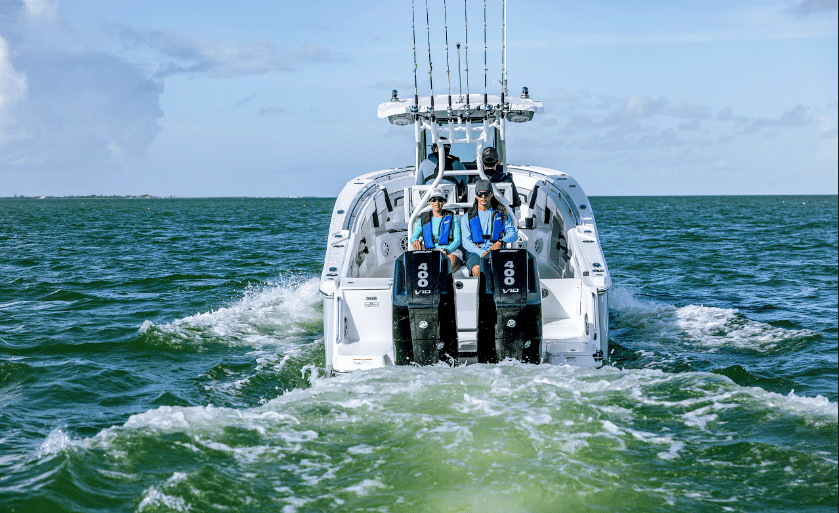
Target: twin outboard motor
<point>424,317</point>
<point>509,307</point>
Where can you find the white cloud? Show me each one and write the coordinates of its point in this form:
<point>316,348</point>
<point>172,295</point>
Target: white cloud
<point>41,9</point>
<point>12,91</point>
<point>219,58</point>
<point>63,109</point>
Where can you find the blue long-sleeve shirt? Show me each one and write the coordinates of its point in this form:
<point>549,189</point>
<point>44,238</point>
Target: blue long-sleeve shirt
<point>510,232</point>
<point>428,166</point>
<point>454,234</point>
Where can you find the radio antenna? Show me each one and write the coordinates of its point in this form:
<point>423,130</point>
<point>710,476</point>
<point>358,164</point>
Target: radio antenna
<point>486,98</point>
<point>448,69</point>
<point>428,32</point>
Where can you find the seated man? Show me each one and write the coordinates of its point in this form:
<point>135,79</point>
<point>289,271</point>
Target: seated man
<point>428,170</point>
<point>495,172</point>
<point>439,229</point>
<point>486,227</point>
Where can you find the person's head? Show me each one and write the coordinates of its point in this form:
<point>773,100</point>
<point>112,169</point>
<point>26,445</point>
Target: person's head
<point>446,146</point>
<point>483,194</point>
<point>489,157</point>
<point>437,200</point>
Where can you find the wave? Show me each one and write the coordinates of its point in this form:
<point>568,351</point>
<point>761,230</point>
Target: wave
<point>702,327</point>
<point>271,315</point>
<point>392,433</point>
<point>511,391</point>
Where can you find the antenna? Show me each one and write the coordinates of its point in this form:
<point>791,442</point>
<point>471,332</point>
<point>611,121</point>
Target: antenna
<point>486,98</point>
<point>414,30</point>
<point>448,70</point>
<point>428,32</point>
<point>459,83</point>
<point>466,51</point>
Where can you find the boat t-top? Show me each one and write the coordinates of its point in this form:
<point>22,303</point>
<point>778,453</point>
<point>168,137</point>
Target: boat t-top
<point>542,299</point>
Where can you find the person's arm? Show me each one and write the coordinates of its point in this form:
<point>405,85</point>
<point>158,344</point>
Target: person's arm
<point>454,235</point>
<point>417,233</point>
<point>466,237</point>
<point>421,172</point>
<point>511,234</point>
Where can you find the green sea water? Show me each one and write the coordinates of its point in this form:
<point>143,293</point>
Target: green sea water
<point>167,355</point>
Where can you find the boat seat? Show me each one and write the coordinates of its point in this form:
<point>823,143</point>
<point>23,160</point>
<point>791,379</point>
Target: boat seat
<point>414,195</point>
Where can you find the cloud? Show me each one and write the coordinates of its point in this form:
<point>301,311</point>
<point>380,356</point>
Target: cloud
<point>12,90</point>
<point>244,101</point>
<point>41,9</point>
<point>218,58</point>
<point>65,109</point>
<point>666,131</point>
<point>795,117</point>
<point>812,7</point>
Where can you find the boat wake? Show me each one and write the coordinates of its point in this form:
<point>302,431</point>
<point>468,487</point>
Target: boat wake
<point>701,328</point>
<point>279,314</point>
<point>496,421</point>
<point>265,343</point>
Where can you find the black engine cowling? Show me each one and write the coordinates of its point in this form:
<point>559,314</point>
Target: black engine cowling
<point>509,307</point>
<point>424,317</point>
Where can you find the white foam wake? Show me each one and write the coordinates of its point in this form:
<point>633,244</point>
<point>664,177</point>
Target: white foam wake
<point>265,315</point>
<point>709,327</point>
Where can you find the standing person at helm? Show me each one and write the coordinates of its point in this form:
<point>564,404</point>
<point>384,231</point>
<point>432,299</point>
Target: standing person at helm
<point>487,227</point>
<point>428,170</point>
<point>439,229</point>
<point>496,174</point>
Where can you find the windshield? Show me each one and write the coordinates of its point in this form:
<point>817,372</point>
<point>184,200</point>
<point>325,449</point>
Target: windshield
<point>466,152</point>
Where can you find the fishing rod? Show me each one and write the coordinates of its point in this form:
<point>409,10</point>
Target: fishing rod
<point>448,70</point>
<point>486,98</point>
<point>430,78</point>
<point>466,51</point>
<point>459,82</point>
<point>414,30</point>
<point>504,53</point>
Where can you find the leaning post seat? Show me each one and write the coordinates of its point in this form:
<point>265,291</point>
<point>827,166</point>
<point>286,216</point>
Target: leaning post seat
<point>509,307</point>
<point>424,316</point>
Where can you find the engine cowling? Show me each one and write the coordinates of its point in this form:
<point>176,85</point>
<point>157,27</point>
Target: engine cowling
<point>424,317</point>
<point>509,307</point>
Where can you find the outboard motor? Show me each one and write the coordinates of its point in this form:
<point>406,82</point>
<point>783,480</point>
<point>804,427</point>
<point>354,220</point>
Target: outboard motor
<point>509,307</point>
<point>424,317</point>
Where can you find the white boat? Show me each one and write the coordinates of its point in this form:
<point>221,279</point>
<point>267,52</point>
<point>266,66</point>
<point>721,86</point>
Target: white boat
<point>540,300</point>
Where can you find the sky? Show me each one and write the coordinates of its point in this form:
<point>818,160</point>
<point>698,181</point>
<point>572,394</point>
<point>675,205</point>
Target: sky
<point>197,98</point>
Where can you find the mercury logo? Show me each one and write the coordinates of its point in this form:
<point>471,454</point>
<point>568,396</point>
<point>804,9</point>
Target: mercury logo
<point>423,324</point>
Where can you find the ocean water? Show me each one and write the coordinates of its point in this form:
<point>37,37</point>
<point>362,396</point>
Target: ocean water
<point>167,355</point>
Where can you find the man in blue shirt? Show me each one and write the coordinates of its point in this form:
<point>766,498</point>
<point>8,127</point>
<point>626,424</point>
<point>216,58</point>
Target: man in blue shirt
<point>485,227</point>
<point>428,170</point>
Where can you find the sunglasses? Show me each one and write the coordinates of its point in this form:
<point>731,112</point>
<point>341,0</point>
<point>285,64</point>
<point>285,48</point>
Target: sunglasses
<point>438,199</point>
<point>484,194</point>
